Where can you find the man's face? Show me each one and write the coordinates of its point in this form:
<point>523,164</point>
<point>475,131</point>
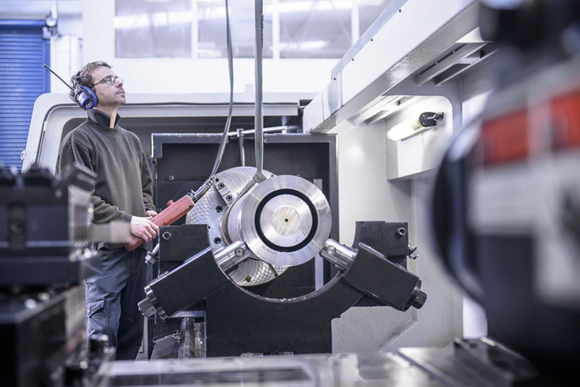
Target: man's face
<point>108,95</point>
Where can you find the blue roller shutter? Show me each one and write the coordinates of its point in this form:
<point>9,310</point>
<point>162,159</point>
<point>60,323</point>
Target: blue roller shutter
<point>23,51</point>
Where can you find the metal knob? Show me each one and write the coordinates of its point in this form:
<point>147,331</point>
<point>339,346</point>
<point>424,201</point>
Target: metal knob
<point>419,300</point>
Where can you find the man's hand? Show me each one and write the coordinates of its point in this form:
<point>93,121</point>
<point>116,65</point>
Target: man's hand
<point>144,228</point>
<point>150,213</point>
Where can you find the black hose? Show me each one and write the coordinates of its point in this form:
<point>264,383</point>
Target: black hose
<point>210,180</point>
<point>222,147</point>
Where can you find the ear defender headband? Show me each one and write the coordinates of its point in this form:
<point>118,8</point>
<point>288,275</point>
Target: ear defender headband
<point>85,97</point>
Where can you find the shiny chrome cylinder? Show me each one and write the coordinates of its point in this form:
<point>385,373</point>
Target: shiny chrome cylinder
<point>339,255</point>
<point>230,256</point>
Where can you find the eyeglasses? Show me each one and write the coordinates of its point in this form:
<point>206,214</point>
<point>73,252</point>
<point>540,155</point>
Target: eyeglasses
<point>109,80</point>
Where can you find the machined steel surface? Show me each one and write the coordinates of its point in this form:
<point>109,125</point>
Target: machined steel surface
<point>339,255</point>
<point>421,367</point>
<point>232,255</point>
<point>284,220</point>
<point>211,209</point>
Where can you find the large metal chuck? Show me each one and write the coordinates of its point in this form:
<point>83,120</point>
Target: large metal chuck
<point>284,221</point>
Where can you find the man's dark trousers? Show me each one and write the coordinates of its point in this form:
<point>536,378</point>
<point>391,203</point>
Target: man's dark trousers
<point>112,297</point>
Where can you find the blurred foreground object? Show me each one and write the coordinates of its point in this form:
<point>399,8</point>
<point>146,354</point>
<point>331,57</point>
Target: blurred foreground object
<point>506,205</point>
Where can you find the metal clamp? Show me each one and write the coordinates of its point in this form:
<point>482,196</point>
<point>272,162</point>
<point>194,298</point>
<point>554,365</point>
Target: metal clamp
<point>339,255</point>
<point>228,257</point>
<point>149,305</point>
<point>413,252</point>
<point>224,192</point>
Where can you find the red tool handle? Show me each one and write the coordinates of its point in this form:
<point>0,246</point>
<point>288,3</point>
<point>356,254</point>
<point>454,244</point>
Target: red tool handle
<point>164,218</point>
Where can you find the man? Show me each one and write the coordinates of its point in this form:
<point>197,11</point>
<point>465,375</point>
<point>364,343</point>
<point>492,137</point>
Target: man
<point>123,192</point>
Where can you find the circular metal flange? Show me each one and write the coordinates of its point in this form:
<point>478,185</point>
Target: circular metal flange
<point>284,220</point>
<point>211,209</point>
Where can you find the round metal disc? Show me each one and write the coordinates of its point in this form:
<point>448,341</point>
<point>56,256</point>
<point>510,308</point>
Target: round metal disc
<point>280,200</point>
<point>286,220</point>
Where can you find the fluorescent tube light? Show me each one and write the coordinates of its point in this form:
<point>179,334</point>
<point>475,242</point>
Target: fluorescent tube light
<point>410,128</point>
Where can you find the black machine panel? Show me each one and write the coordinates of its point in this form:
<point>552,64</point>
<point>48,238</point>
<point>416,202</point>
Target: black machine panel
<point>182,162</point>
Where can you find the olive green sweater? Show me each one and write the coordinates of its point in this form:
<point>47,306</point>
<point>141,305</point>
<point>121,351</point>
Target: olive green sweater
<point>124,185</point>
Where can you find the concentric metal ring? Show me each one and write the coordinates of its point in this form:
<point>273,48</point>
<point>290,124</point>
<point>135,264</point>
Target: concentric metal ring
<point>284,220</point>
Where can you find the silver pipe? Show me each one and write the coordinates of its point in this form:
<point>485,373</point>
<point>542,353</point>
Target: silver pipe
<point>264,130</point>
<point>259,119</point>
<point>241,149</point>
<point>339,255</point>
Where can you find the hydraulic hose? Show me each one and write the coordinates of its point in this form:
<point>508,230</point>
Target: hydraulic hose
<point>209,182</point>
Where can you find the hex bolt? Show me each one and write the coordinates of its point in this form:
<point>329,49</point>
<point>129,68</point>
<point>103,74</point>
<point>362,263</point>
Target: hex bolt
<point>419,300</point>
<point>229,198</point>
<point>217,240</point>
<point>248,278</point>
<point>171,177</point>
<point>166,235</point>
<point>401,231</point>
<point>239,252</point>
<point>219,209</point>
<point>221,185</point>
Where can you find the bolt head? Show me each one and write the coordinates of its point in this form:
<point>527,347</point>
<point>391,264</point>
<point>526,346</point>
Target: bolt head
<point>239,252</point>
<point>420,300</point>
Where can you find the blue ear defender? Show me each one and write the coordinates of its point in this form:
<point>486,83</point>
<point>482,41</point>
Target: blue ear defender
<point>85,97</point>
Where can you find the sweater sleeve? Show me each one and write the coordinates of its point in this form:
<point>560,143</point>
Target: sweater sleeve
<point>147,184</point>
<point>103,212</point>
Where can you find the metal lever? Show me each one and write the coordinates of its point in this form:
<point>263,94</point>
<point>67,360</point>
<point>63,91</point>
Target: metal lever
<point>151,256</point>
